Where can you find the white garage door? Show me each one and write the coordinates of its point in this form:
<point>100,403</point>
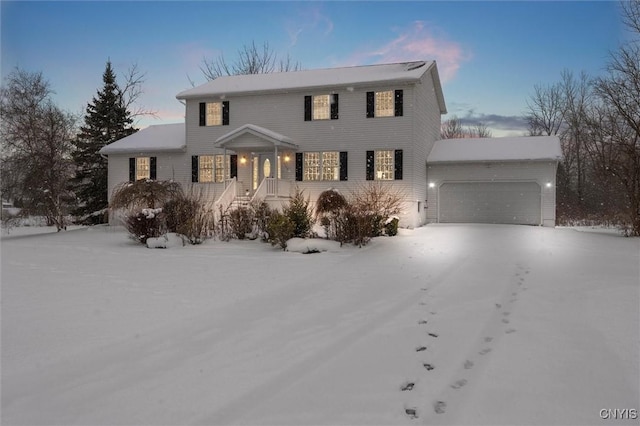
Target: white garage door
<point>490,202</point>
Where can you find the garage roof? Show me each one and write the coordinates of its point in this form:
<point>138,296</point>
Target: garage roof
<point>523,148</point>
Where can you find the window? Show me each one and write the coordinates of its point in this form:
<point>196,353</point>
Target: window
<point>212,168</point>
<point>315,166</point>
<point>311,166</point>
<point>321,107</point>
<point>205,168</point>
<point>142,168</point>
<point>384,165</point>
<point>386,103</point>
<point>222,171</point>
<point>330,165</point>
<point>214,113</point>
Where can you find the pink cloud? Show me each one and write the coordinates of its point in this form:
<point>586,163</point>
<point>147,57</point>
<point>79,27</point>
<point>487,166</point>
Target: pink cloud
<point>417,42</point>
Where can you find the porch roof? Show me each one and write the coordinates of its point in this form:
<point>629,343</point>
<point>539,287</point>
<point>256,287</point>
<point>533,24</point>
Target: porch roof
<point>268,138</point>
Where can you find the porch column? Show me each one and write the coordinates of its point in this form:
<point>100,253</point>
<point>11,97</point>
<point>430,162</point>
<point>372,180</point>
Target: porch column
<point>224,166</point>
<point>275,160</point>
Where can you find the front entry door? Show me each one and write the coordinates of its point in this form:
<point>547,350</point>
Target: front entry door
<point>263,166</point>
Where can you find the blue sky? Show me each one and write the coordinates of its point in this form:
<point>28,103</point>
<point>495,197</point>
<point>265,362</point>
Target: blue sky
<point>489,54</point>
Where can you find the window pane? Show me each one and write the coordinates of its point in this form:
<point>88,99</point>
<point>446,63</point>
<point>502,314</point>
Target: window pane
<point>143,168</point>
<point>214,113</point>
<point>311,166</point>
<point>321,107</point>
<point>330,165</point>
<point>205,168</point>
<point>219,169</point>
<point>384,104</point>
<point>384,165</point>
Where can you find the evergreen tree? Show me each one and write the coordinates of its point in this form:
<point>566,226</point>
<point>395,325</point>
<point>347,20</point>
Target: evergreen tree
<point>107,119</point>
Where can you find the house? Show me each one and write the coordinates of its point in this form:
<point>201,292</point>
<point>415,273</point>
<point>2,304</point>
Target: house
<point>260,136</point>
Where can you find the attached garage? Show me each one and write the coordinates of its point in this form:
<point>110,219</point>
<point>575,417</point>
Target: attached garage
<point>493,180</point>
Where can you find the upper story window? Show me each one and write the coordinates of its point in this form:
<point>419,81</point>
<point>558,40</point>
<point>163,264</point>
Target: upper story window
<point>384,165</point>
<point>321,107</point>
<point>328,165</point>
<point>386,103</point>
<point>214,113</point>
<point>142,168</point>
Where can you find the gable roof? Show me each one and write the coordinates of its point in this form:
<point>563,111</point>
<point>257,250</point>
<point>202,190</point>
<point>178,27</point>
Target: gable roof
<point>496,149</point>
<point>269,135</point>
<point>156,138</point>
<point>348,78</point>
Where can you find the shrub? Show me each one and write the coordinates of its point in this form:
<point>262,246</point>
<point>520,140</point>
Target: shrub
<point>188,215</point>
<point>144,193</point>
<point>328,207</point>
<point>391,226</point>
<point>241,222</point>
<point>280,229</point>
<point>378,202</point>
<point>148,223</point>
<point>261,213</point>
<point>299,214</point>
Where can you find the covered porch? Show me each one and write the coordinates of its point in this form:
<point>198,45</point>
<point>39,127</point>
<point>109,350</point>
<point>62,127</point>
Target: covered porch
<point>265,166</point>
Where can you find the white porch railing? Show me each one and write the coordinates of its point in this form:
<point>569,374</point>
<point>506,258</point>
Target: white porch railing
<point>226,198</point>
<point>272,187</point>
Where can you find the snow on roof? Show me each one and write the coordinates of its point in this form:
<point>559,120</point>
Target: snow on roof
<point>281,81</point>
<point>156,138</point>
<point>496,149</point>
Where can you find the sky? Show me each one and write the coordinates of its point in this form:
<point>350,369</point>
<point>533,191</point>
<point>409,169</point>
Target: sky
<point>490,55</point>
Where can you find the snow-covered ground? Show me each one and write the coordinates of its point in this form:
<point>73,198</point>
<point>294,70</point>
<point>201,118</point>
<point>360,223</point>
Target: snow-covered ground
<point>479,324</point>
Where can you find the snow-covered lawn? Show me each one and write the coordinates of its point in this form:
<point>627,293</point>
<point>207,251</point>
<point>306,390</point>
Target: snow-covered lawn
<point>479,324</point>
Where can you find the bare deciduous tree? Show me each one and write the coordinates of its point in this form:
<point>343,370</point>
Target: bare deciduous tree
<point>454,129</point>
<point>250,60</point>
<point>36,146</point>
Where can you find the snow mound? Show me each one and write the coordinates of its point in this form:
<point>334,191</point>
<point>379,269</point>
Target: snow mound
<point>166,241</point>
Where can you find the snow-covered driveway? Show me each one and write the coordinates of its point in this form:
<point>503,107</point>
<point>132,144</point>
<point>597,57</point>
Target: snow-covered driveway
<point>478,324</point>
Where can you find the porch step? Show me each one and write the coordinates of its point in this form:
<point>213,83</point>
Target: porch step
<point>240,202</point>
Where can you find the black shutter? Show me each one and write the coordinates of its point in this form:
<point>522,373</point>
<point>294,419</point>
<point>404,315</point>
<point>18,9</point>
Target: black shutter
<point>299,166</point>
<point>152,168</point>
<point>334,106</point>
<point>203,114</point>
<point>397,165</point>
<point>370,104</point>
<point>233,166</point>
<point>344,175</point>
<point>132,169</point>
<point>225,113</point>
<point>194,168</point>
<point>398,103</point>
<point>370,165</point>
<point>307,108</point>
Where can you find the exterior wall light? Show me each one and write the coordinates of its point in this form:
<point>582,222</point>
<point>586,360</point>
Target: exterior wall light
<point>243,160</point>
<point>432,185</point>
<point>549,184</point>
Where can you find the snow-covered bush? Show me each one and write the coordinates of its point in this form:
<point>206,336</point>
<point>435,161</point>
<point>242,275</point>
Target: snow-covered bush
<point>147,223</point>
<point>328,207</point>
<point>261,213</point>
<point>189,215</point>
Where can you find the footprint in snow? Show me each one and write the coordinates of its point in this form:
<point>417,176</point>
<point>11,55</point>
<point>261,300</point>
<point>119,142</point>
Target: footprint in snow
<point>407,386</point>
<point>506,321</point>
<point>422,322</point>
<point>506,314</point>
<point>421,348</point>
<point>439,407</point>
<point>485,351</point>
<point>411,412</point>
<point>429,367</point>
<point>498,306</point>
<point>423,303</point>
<point>468,364</point>
<point>488,339</point>
<point>433,335</point>
<point>460,383</point>
<point>511,330</point>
